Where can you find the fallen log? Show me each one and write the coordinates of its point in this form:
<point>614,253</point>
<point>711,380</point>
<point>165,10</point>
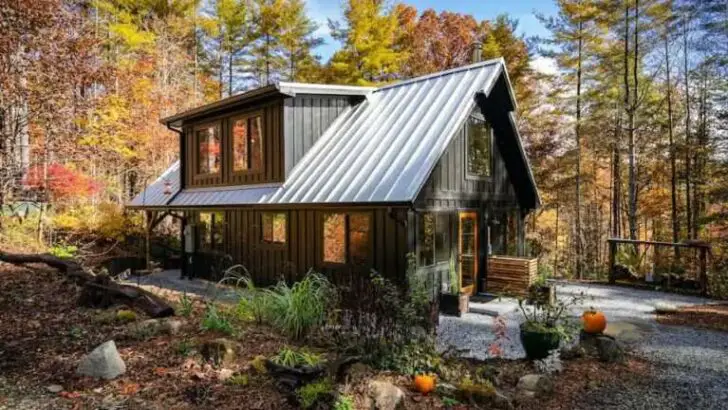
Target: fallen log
<point>99,291</point>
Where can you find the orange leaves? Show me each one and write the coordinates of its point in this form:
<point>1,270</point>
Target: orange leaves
<point>130,389</point>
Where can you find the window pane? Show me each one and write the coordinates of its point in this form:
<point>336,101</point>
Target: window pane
<point>442,242</point>
<point>426,241</point>
<point>240,145</point>
<point>334,238</point>
<point>274,227</point>
<point>208,151</point>
<point>478,147</point>
<point>359,238</point>
<point>218,221</point>
<point>205,230</point>
<point>256,143</point>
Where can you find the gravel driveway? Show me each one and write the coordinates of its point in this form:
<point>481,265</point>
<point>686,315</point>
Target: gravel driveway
<point>691,365</point>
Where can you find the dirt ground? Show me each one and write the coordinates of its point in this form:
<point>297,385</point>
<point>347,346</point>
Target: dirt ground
<point>714,317</point>
<point>44,334</point>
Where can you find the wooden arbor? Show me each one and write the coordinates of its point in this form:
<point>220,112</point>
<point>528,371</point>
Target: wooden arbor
<point>702,248</point>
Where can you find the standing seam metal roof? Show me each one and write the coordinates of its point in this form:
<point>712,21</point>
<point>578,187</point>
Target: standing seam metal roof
<point>381,150</point>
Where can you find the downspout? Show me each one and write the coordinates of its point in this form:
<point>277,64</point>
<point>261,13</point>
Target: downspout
<point>183,218</point>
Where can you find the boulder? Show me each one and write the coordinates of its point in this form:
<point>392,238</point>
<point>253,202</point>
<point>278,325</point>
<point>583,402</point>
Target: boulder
<point>172,326</point>
<point>538,384</point>
<point>662,308</point>
<point>385,395</point>
<point>609,349</point>
<point>54,388</point>
<point>221,351</point>
<point>103,362</point>
<point>501,401</point>
<point>573,351</point>
<point>224,374</point>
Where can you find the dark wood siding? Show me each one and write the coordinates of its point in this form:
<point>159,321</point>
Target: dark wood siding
<point>269,263</point>
<point>448,187</point>
<point>305,119</point>
<point>273,166</point>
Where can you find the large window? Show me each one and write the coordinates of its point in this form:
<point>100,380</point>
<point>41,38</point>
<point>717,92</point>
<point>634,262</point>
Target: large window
<point>247,144</point>
<point>208,150</point>
<point>211,231</point>
<point>346,238</point>
<point>433,239</point>
<point>479,147</point>
<point>274,227</point>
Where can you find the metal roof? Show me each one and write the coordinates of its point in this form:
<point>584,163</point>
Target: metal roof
<point>379,151</point>
<point>154,194</point>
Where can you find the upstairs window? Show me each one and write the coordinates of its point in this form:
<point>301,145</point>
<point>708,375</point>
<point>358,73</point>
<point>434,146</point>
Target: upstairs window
<point>346,238</point>
<point>211,231</point>
<point>274,227</point>
<point>247,143</point>
<point>208,149</point>
<point>479,138</point>
<point>433,239</point>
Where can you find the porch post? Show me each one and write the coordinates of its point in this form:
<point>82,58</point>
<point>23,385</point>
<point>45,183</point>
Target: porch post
<point>520,234</point>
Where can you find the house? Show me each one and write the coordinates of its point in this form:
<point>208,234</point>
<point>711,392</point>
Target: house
<point>345,180</point>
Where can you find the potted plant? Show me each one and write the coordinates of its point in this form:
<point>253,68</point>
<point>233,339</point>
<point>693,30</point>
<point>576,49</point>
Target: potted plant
<point>541,292</point>
<point>454,302</point>
<point>544,327</point>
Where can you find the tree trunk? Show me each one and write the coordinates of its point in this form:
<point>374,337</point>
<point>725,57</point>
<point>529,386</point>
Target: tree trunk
<point>688,141</point>
<point>579,236</point>
<point>673,174</point>
<point>632,146</point>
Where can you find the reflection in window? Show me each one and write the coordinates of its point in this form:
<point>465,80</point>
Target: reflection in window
<point>335,238</point>
<point>479,147</point>
<point>433,238</point>
<point>274,227</point>
<point>247,144</point>
<point>208,150</point>
<point>346,238</point>
<point>211,230</point>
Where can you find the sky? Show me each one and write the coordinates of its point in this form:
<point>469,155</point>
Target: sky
<point>522,10</point>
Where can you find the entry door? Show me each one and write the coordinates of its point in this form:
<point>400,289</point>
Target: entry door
<point>468,252</point>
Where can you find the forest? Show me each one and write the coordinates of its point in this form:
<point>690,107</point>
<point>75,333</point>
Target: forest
<point>627,132</point>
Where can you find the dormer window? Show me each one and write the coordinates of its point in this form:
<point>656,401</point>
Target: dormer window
<point>247,138</point>
<point>208,149</point>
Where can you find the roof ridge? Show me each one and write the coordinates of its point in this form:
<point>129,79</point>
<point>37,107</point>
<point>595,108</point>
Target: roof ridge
<point>442,73</point>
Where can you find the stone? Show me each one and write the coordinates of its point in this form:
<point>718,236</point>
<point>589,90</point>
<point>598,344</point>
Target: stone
<point>501,401</point>
<point>173,326</point>
<point>385,395</point>
<point>609,350</point>
<point>221,351</point>
<point>54,388</point>
<point>224,374</point>
<point>662,308</point>
<point>446,389</point>
<point>103,362</point>
<point>358,371</point>
<point>572,352</point>
<point>623,331</point>
<point>539,384</point>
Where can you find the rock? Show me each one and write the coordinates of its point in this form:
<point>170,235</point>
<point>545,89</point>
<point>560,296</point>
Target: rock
<point>386,396</point>
<point>358,371</point>
<point>224,374</point>
<point>665,307</point>
<point>501,401</point>
<point>103,362</point>
<point>609,350</point>
<point>173,326</point>
<point>221,351</point>
<point>446,389</point>
<point>54,388</point>
<point>571,352</point>
<point>623,331</point>
<point>539,384</point>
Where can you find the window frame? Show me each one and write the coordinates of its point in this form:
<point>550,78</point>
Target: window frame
<point>262,228</point>
<point>231,125</point>
<point>347,238</point>
<point>215,246</point>
<point>491,137</point>
<point>437,229</point>
<point>196,140</point>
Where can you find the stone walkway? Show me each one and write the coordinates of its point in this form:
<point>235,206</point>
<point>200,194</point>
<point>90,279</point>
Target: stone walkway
<point>170,280</point>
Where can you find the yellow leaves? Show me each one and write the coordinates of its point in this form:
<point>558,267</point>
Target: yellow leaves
<point>132,37</point>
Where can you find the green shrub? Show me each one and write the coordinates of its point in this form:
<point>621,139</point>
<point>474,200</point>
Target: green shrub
<point>311,393</point>
<point>216,322</point>
<point>344,402</point>
<point>185,305</point>
<point>185,347</point>
<point>296,357</point>
<point>63,251</point>
<point>296,310</point>
<point>126,316</point>
<point>239,380</point>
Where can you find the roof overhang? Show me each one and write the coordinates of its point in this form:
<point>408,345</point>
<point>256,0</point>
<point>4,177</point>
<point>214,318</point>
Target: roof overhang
<point>280,89</point>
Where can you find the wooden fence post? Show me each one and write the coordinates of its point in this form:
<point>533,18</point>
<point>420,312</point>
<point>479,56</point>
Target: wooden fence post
<point>612,257</point>
<point>703,263</point>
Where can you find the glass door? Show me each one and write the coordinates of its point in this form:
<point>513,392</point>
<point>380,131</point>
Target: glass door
<point>468,252</point>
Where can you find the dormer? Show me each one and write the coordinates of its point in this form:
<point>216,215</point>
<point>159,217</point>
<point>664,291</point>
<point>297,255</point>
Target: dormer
<point>257,137</point>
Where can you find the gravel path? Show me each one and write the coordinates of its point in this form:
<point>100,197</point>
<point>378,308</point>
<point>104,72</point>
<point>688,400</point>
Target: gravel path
<point>691,365</point>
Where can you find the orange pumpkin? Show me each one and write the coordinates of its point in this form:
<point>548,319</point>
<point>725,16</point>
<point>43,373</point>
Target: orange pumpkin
<point>594,321</point>
<point>424,383</point>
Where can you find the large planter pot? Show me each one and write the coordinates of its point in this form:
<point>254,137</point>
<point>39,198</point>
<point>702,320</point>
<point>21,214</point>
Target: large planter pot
<point>454,305</point>
<point>538,344</point>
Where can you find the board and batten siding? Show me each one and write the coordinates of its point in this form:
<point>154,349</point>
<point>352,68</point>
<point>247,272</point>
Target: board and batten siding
<point>272,170</point>
<point>305,118</point>
<point>303,250</point>
<point>448,186</point>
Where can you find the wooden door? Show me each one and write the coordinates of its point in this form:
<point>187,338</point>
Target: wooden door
<point>468,251</point>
